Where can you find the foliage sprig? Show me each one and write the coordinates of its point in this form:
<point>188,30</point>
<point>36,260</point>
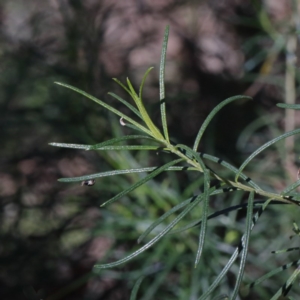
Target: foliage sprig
<point>183,159</point>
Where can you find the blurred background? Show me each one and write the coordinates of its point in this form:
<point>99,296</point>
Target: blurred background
<point>51,233</point>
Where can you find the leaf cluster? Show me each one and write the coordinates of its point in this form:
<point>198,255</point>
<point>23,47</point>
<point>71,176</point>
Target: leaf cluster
<point>186,159</point>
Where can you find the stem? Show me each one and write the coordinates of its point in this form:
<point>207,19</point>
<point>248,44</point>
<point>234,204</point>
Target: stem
<point>173,149</point>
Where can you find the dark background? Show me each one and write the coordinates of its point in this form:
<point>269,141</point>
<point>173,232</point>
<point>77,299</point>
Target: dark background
<point>53,233</point>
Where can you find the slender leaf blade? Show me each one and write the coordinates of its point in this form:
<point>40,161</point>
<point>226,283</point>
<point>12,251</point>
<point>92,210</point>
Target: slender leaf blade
<point>162,84</point>
<point>143,81</point>
<point>205,207</point>
<point>128,147</point>
<point>106,143</point>
<point>291,187</point>
<point>110,108</point>
<point>145,116</point>
<point>136,288</point>
<point>273,272</point>
<point>194,155</point>
<point>165,216</point>
<point>72,146</point>
<point>154,240</point>
<point>245,245</point>
<point>233,257</point>
<point>283,291</point>
<point>131,107</point>
<point>231,168</point>
<point>120,172</point>
<point>288,106</point>
<point>215,214</point>
<point>142,181</point>
<point>123,86</point>
<point>120,139</point>
<point>263,147</point>
<point>211,115</point>
<point>212,191</point>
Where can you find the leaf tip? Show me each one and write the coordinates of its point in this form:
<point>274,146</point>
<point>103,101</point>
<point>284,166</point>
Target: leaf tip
<point>54,144</point>
<point>97,266</point>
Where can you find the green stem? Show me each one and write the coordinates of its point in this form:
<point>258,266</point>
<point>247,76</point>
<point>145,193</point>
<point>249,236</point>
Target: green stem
<point>173,149</point>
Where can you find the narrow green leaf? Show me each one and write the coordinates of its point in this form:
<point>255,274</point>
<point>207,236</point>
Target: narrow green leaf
<point>155,239</point>
<point>234,256</point>
<point>72,146</point>
<point>274,272</point>
<point>194,155</point>
<point>248,131</point>
<point>211,115</point>
<point>205,207</point>
<point>213,215</point>
<point>212,191</point>
<point>128,147</point>
<point>220,276</point>
<point>115,111</point>
<point>106,143</point>
<point>263,147</point>
<point>131,107</point>
<point>120,172</point>
<point>163,64</point>
<point>231,168</point>
<point>142,181</point>
<point>123,86</point>
<point>165,216</point>
<point>288,106</point>
<point>120,139</point>
<point>136,288</point>
<point>145,116</point>
<point>283,291</point>
<point>286,250</point>
<point>132,90</point>
<point>221,212</point>
<point>191,154</point>
<point>245,244</point>
<point>162,84</point>
<point>143,81</point>
<point>163,276</point>
<point>291,187</point>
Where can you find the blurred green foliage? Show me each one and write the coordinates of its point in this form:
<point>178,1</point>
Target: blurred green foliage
<point>52,234</point>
